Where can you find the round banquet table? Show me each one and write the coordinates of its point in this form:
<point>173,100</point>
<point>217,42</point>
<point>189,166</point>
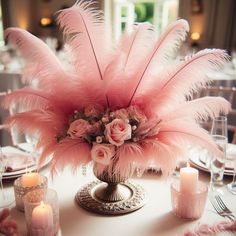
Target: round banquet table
<point>155,218</point>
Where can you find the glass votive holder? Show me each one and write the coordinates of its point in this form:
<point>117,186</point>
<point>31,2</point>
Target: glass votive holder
<point>42,212</point>
<point>21,190</point>
<point>188,205</point>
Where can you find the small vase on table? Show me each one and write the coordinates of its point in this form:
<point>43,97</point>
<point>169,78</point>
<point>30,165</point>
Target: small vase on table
<point>111,194</point>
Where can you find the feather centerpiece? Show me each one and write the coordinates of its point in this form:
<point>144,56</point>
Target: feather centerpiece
<point>127,104</point>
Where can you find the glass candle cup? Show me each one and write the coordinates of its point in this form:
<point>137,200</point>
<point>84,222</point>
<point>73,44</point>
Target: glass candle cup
<point>21,190</point>
<point>188,205</point>
<point>42,212</point>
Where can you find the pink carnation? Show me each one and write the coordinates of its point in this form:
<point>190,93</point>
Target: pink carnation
<point>102,153</point>
<point>118,131</point>
<point>78,128</point>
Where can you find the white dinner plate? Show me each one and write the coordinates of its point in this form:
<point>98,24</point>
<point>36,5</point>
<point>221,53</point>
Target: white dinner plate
<point>19,154</point>
<point>197,157</point>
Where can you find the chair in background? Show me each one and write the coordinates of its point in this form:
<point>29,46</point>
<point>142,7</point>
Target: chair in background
<point>229,93</point>
<point>226,92</point>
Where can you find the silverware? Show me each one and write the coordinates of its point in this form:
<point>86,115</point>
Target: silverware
<point>221,208</point>
<point>227,233</point>
<point>222,205</point>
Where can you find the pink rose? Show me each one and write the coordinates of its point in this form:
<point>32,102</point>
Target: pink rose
<point>78,128</point>
<point>118,131</point>
<point>102,153</point>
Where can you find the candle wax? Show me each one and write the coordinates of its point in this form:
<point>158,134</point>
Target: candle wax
<point>188,180</point>
<point>42,217</point>
<point>30,179</point>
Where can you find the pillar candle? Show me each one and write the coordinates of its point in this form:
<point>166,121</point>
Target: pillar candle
<point>30,179</point>
<point>42,217</point>
<point>188,180</point>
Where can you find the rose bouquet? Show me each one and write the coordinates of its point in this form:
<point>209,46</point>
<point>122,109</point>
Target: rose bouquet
<point>128,104</point>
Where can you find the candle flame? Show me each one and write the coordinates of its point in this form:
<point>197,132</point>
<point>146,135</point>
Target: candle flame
<point>188,165</point>
<point>45,21</point>
<point>195,36</point>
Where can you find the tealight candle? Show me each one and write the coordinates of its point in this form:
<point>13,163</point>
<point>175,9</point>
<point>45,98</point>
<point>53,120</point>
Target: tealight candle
<point>42,217</point>
<point>188,206</point>
<point>41,212</point>
<point>30,179</point>
<point>188,180</point>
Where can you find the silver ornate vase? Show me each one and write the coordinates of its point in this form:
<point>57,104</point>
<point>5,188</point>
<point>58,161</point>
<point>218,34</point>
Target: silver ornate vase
<point>111,194</point>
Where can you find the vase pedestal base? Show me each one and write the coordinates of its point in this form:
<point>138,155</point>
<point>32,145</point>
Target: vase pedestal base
<point>96,197</point>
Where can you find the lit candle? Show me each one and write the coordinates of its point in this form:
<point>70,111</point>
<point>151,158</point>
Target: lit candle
<point>42,217</point>
<point>30,179</point>
<point>188,180</point>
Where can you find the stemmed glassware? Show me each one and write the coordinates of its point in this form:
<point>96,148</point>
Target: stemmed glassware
<point>5,200</point>
<point>232,186</point>
<point>219,134</point>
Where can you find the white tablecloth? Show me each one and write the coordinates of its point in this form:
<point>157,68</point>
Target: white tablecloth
<point>155,218</point>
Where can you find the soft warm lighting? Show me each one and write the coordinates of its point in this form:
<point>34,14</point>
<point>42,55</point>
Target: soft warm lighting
<point>195,36</point>
<point>46,21</point>
<point>30,179</point>
<point>23,23</point>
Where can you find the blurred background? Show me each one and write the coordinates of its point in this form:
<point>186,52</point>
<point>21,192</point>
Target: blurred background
<point>212,22</point>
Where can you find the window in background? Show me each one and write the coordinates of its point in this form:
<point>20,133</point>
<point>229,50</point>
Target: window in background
<point>158,12</point>
<point>1,25</point>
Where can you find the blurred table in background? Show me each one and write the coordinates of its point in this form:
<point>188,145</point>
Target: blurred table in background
<point>8,82</point>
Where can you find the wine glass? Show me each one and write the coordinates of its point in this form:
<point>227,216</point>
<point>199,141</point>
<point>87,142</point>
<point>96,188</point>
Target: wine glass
<point>219,134</point>
<point>5,200</point>
<point>232,186</point>
<point>31,139</point>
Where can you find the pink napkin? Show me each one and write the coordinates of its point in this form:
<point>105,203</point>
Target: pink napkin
<point>7,226</point>
<point>18,161</point>
<point>229,164</point>
<point>210,230</point>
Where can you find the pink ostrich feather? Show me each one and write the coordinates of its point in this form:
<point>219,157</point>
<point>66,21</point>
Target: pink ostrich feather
<point>162,155</point>
<point>139,42</point>
<point>85,31</point>
<point>27,98</point>
<point>84,28</point>
<point>178,132</point>
<point>199,109</point>
<point>138,82</point>
<point>176,83</point>
<point>41,62</point>
<point>76,151</point>
<point>155,56</point>
<point>127,60</point>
